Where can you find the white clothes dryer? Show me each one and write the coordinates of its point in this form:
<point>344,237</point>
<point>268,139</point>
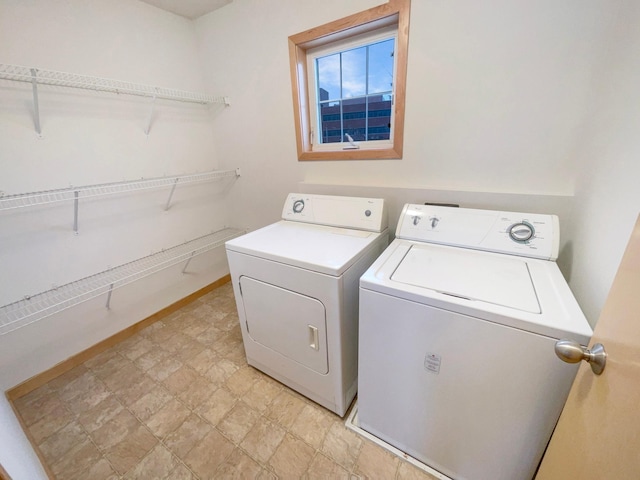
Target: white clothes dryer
<point>458,322</point>
<point>296,289</point>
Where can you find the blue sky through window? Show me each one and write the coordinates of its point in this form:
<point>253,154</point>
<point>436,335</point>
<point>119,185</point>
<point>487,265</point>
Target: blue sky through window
<point>350,66</point>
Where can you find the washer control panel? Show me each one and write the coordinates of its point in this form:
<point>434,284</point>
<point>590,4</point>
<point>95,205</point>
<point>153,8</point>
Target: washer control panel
<point>525,234</point>
<point>346,212</point>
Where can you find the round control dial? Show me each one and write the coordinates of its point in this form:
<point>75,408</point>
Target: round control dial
<point>298,206</point>
<point>521,232</point>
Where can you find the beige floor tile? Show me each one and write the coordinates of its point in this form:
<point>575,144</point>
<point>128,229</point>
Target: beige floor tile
<point>151,358</point>
<point>51,423</point>
<point>184,438</point>
<point>211,452</point>
<point>115,430</point>
<point>195,326</point>
<point>240,466</point>
<point>164,368</point>
<point>342,445</point>
<point>189,351</point>
<point>101,470</point>
<point>203,361</point>
<point>216,407</point>
<point>158,464</point>
<point>209,336</point>
<point>168,418</point>
<point>323,468</point>
<point>221,370</point>
<point>180,473</point>
<point>262,393</point>
<point>113,365</point>
<point>85,396</point>
<point>312,425</point>
<point>62,441</point>
<point>285,408</point>
<point>41,406</point>
<point>407,471</point>
<point>131,393</point>
<point>97,416</point>
<point>375,461</point>
<point>137,348</point>
<point>237,423</point>
<point>176,342</point>
<point>127,374</point>
<point>262,440</point>
<point>67,377</point>
<point>180,380</point>
<point>197,393</point>
<point>150,402</point>
<point>126,454</point>
<point>292,458</point>
<point>83,456</point>
<point>242,380</point>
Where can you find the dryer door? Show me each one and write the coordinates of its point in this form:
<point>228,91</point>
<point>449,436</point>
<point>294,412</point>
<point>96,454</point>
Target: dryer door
<point>292,324</point>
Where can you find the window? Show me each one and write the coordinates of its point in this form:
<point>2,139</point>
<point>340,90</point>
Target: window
<point>351,93</point>
<point>348,80</point>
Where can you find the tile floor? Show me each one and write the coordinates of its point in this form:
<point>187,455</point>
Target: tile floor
<point>178,401</point>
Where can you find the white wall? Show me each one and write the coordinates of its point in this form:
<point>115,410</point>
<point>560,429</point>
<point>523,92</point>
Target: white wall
<point>90,138</point>
<point>500,97</point>
<point>607,192</point>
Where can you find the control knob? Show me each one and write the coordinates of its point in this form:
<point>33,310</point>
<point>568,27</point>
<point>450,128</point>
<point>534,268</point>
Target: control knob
<point>521,232</point>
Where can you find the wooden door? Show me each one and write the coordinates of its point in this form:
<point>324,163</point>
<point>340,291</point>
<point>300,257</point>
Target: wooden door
<point>598,434</point>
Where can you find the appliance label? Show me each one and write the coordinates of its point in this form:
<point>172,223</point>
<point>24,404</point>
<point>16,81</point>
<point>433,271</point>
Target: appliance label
<point>432,362</point>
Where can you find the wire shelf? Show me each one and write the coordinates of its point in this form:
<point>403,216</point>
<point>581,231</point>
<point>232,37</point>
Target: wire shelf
<point>37,307</point>
<point>22,200</point>
<point>63,79</point>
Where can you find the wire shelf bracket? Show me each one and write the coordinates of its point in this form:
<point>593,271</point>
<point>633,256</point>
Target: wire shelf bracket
<point>23,200</point>
<point>37,307</point>
<point>38,76</point>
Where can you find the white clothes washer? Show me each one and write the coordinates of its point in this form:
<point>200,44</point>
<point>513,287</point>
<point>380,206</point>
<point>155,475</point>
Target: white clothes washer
<point>458,322</point>
<point>296,289</point>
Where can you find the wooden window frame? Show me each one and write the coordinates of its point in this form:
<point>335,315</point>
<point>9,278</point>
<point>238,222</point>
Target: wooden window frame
<point>396,12</point>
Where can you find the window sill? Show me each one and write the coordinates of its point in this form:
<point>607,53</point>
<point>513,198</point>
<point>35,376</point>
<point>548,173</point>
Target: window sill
<point>378,154</point>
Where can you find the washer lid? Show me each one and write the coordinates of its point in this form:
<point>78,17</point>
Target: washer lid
<point>500,280</point>
<point>319,248</point>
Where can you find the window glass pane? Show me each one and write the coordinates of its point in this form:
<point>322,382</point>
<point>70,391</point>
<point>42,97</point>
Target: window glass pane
<point>379,117</point>
<point>381,66</point>
<point>354,72</point>
<point>330,124</point>
<point>328,71</point>
<point>354,119</point>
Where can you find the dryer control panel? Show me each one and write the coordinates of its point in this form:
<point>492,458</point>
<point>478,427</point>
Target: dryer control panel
<point>346,212</point>
<point>525,234</point>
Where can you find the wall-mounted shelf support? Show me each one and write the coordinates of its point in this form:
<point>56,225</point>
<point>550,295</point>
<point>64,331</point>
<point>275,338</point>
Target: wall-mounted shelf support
<point>184,270</point>
<point>173,189</point>
<point>38,76</point>
<point>22,200</point>
<point>36,107</point>
<point>153,106</point>
<point>33,308</point>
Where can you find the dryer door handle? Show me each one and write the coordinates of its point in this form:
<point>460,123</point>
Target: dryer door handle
<point>313,337</point>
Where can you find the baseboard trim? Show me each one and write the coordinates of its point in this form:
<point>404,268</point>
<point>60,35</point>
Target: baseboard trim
<point>40,379</point>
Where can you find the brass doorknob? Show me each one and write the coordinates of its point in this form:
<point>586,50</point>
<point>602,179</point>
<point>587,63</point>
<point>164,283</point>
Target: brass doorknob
<point>572,352</point>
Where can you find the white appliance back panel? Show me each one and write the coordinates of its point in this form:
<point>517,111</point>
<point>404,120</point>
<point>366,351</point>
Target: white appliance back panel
<point>287,322</point>
<point>346,212</point>
<point>480,229</point>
